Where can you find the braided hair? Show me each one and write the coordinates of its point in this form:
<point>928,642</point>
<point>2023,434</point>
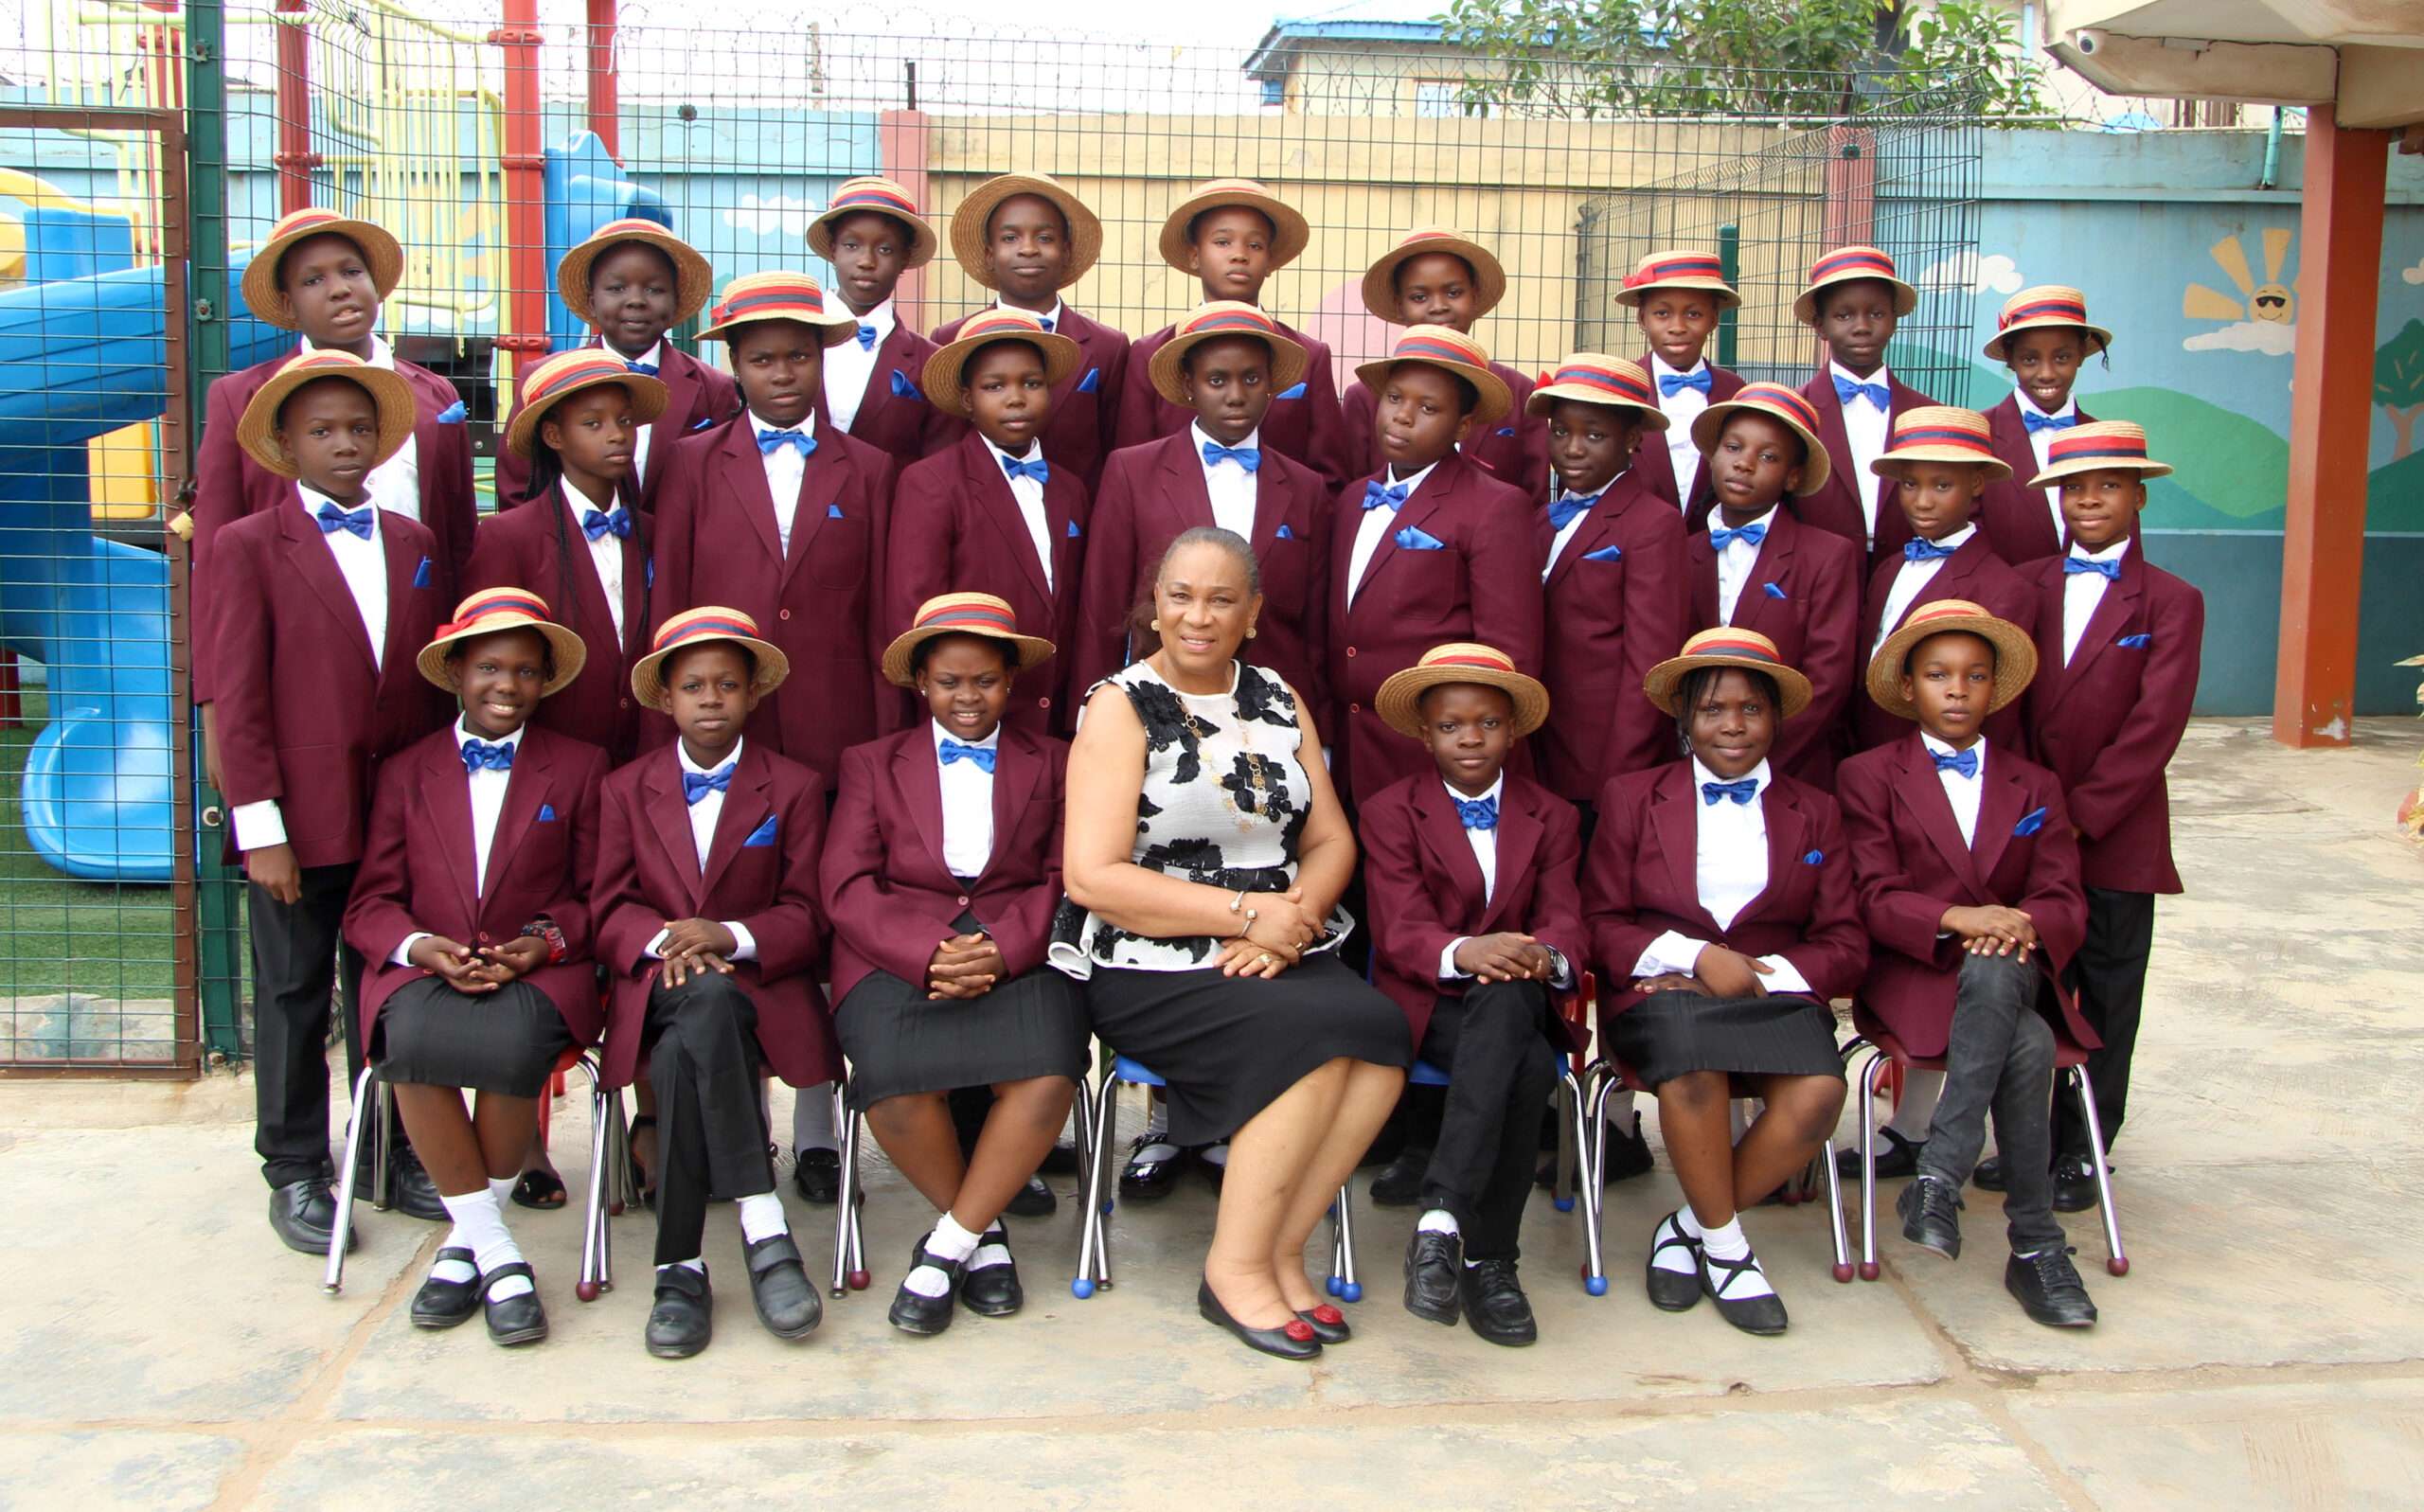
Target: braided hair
<point>546,478</point>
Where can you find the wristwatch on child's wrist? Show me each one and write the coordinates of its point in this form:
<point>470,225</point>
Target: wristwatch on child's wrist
<point>545,928</point>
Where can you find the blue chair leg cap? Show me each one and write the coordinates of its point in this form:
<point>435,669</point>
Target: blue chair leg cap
<point>1082,1288</point>
<point>1334,1285</point>
<point>1597,1286</point>
<point>1565,1204</point>
<point>1351,1292</point>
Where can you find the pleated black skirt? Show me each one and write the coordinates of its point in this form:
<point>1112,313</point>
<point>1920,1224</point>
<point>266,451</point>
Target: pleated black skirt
<point>900,1042</point>
<point>1668,1034</point>
<point>507,1042</point>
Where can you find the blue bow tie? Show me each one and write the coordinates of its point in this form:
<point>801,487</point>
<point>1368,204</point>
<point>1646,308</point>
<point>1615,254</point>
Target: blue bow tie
<point>1926,551</point>
<point>478,754</point>
<point>1751,534</point>
<point>866,338</point>
<point>1877,394</point>
<point>1741,789</point>
<point>594,525</point>
<point>959,751</point>
<point>1050,322</point>
<point>1248,457</point>
<point>1562,512</point>
<point>2039,421</point>
<point>2072,565</point>
<point>1038,470</point>
<point>334,519</point>
<point>1478,813</point>
<point>1965,762</point>
<point>1375,495</point>
<point>644,369</point>
<point>696,786</point>
<point>1670,384</point>
<point>770,442</point>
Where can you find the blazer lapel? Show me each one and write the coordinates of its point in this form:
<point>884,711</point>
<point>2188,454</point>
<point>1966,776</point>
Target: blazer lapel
<point>1831,434</point>
<point>745,806</point>
<point>998,504</point>
<point>403,565</point>
<point>1519,838</point>
<point>2113,610</point>
<point>1185,495</point>
<point>1443,835</point>
<point>317,566</point>
<point>1786,827</point>
<point>681,397</point>
<point>1932,808</point>
<point>1771,565</point>
<point>818,481</point>
<point>1418,508</point>
<point>1596,526</point>
<point>448,791</point>
<point>589,592</point>
<point>1674,817</point>
<point>915,768</point>
<point>2000,805</point>
<point>1015,772</point>
<point>525,787</point>
<point>745,482</point>
<point>669,815</point>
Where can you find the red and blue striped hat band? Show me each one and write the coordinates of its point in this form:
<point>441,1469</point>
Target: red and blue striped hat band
<point>391,397</point>
<point>709,622</point>
<point>694,278</point>
<point>1726,646</point>
<point>381,253</point>
<point>1940,433</point>
<point>961,615</point>
<point>2094,447</point>
<point>1289,232</point>
<point>1398,702</point>
<point>946,383</point>
<point>494,610</point>
<point>1779,402</point>
<point>1594,377</point>
<point>569,373</point>
<point>1681,269</point>
<point>1777,396</point>
<point>1211,321</point>
<point>1457,354</point>
<point>777,295</point>
<point>1845,265</point>
<point>2048,305</point>
<point>1379,286</point>
<point>872,192</point>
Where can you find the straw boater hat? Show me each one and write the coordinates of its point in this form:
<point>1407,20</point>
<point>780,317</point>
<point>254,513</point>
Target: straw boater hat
<point>1400,700</point>
<point>2092,447</point>
<point>882,195</point>
<point>1211,321</point>
<point>1381,279</point>
<point>2015,654</point>
<point>948,391</point>
<point>698,627</point>
<point>2048,305</point>
<point>1723,647</point>
<point>961,615</point>
<point>972,224</point>
<point>1289,235</point>
<point>1455,351</point>
<point>1678,270</point>
<point>778,295</point>
<point>1844,265</point>
<point>1940,433</point>
<point>1780,402</point>
<point>567,373</point>
<point>1594,377</point>
<point>268,303</point>
<point>389,396</point>
<point>499,609</point>
<point>694,280</point>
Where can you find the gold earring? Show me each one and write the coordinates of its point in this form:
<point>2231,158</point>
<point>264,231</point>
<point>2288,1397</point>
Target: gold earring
<point>1155,627</point>
<point>1250,632</point>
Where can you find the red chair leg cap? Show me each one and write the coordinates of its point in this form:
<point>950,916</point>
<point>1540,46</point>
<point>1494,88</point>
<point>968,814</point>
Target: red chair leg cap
<point>2118,1265</point>
<point>586,1292</point>
<point>1844,1273</point>
<point>859,1280</point>
<point>615,1209</point>
<point>1870,1270</point>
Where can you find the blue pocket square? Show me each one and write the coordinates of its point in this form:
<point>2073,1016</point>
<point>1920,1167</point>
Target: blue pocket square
<point>1092,383</point>
<point>547,812</point>
<point>2030,823</point>
<point>1414,538</point>
<point>1507,430</point>
<point>704,423</point>
<point>1815,858</point>
<point>762,835</point>
<point>1605,554</point>
<point>1296,391</point>
<point>421,577</point>
<point>2135,643</point>
<point>902,388</point>
<point>1773,591</point>
<point>453,414</point>
<point>1283,533</point>
<point>833,511</point>
<point>652,572</point>
<point>1073,531</point>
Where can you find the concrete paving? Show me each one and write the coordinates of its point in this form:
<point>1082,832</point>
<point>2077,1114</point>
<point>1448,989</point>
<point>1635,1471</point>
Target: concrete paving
<point>162,1350</point>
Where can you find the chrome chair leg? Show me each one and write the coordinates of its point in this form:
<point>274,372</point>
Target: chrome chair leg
<point>1835,1213</point>
<point>846,1125</point>
<point>1343,1284</point>
<point>1871,1076</point>
<point>1594,1268</point>
<point>383,1146</point>
<point>1094,1246</point>
<point>332,1280</point>
<point>593,1208</point>
<point>2117,1259</point>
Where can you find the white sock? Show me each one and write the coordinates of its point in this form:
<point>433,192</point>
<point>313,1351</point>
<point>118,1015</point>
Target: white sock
<point>1916,1108</point>
<point>1217,1154</point>
<point>1157,1128</point>
<point>480,1227</point>
<point>697,1262</point>
<point>992,1247</point>
<point>1737,1120</point>
<point>1619,1113</point>
<point>947,1242</point>
<point>812,1118</point>
<point>1438,1221</point>
<point>761,1216</point>
<point>1675,1258</point>
<point>1727,1243</point>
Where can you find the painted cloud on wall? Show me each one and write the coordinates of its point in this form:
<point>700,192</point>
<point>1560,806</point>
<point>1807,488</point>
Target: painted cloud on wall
<point>2414,275</point>
<point>1992,274</point>
<point>2267,336</point>
<point>765,216</point>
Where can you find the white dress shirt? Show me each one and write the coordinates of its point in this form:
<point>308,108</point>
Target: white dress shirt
<point>2042,443</point>
<point>1732,873</point>
<point>850,366</point>
<point>393,483</point>
<point>1681,408</point>
<point>1230,485</point>
<point>1735,561</point>
<point>654,357</point>
<point>1378,522</point>
<point>1029,493</point>
<point>487,787</point>
<point>1865,427</point>
<point>968,805</point>
<point>1909,579</point>
<point>1565,537</point>
<point>1051,317</point>
<point>605,553</point>
<point>1484,844</point>
<point>785,468</point>
<point>2082,592</point>
<point>703,815</point>
<point>1964,793</point>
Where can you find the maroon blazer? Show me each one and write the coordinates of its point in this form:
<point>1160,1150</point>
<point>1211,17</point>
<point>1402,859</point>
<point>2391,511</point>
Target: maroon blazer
<point>649,874</point>
<point>416,871</point>
<point>1426,888</point>
<point>1481,583</point>
<point>1973,572</point>
<point>1837,506</point>
<point>1657,466</point>
<point>543,551</point>
<point>1804,595</point>
<point>886,888</point>
<point>229,485</point>
<point>905,424</point>
<point>1913,865</point>
<point>1617,599</point>
<point>1516,450</point>
<point>2015,516</point>
<point>822,602</point>
<point>1150,494</point>
<point>306,715</point>
<point>1084,428</point>
<point>1642,879</point>
<point>1304,423</point>
<point>698,397</point>
<point>2108,722</point>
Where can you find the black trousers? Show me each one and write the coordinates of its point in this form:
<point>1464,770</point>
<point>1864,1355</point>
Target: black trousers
<point>2109,974</point>
<point>2000,1057</point>
<point>1494,1043</point>
<point>302,969</point>
<point>701,1043</point>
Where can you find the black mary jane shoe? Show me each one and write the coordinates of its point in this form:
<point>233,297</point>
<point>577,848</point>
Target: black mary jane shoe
<point>818,1177</point>
<point>1674,1291</point>
<point>778,1285</point>
<point>2048,1289</point>
<point>512,1321</point>
<point>683,1318</point>
<point>925,1316</point>
<point>1495,1304</point>
<point>409,1189</point>
<point>304,1214</point>
<point>1034,1200</point>
<point>1150,1181</point>
<point>1763,1316</point>
<point>1931,1212</point>
<point>992,1290</point>
<point>442,1304</point>
<point>1434,1264</point>
<point>1328,1324</point>
<point>1896,1158</point>
<point>1293,1340</point>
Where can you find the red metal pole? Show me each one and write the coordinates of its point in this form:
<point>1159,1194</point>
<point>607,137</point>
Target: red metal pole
<point>603,102</point>
<point>2331,409</point>
<point>294,158</point>
<point>524,163</point>
<point>901,139</point>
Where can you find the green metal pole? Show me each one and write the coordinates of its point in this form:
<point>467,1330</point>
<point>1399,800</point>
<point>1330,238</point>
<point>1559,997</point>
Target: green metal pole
<point>1729,266</point>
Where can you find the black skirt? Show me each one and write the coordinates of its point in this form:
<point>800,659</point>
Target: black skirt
<point>1668,1034</point>
<point>506,1042</point>
<point>1228,1046</point>
<point>899,1042</point>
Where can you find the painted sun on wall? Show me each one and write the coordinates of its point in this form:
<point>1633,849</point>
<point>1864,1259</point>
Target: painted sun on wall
<point>2263,316</point>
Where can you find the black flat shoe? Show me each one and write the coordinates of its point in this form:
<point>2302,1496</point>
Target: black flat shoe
<point>819,1177</point>
<point>1062,1160</point>
<point>2075,1185</point>
<point>1294,1340</point>
<point>914,1312</point>
<point>1674,1291</point>
<point>1763,1316</point>
<point>1931,1211</point>
<point>304,1214</point>
<point>2049,1288</point>
<point>444,1304</point>
<point>1897,1156</point>
<point>514,1320</point>
<point>409,1189</point>
<point>1401,1184</point>
<point>1435,1266</point>
<point>993,1291</point>
<point>787,1301</point>
<point>1989,1177</point>
<point>640,1182</point>
<point>1034,1200</point>
<point>1495,1304</point>
<point>1150,1181</point>
<point>1328,1324</point>
<point>684,1316</point>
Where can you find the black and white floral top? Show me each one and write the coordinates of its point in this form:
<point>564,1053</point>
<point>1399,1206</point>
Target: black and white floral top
<point>1224,802</point>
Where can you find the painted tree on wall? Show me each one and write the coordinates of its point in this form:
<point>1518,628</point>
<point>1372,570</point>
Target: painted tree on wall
<point>2399,383</point>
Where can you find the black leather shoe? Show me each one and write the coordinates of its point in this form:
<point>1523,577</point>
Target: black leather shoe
<point>1062,1160</point>
<point>304,1212</point>
<point>1435,1266</point>
<point>1495,1304</point>
<point>787,1301</point>
<point>1328,1324</point>
<point>1627,1157</point>
<point>2049,1288</point>
<point>1897,1156</point>
<point>2075,1185</point>
<point>1989,1177</point>
<point>1931,1210</point>
<point>993,1291</point>
<point>514,1320</point>
<point>1763,1316</point>
<point>1150,1181</point>
<point>409,1189</point>
<point>819,1177</point>
<point>1034,1200</point>
<point>1674,1291</point>
<point>444,1304</point>
<point>914,1312</point>
<point>684,1317</point>
<point>1294,1340</point>
<point>1399,1184</point>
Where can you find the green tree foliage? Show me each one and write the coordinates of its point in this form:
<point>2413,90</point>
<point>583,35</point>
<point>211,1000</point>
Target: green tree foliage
<point>2398,383</point>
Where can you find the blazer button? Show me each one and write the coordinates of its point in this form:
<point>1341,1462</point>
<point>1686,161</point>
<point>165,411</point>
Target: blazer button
<point>963,899</point>
<point>484,936</point>
<point>1355,708</point>
<point>627,703</point>
<point>785,615</point>
<point>1043,703</point>
<point>1351,650</point>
